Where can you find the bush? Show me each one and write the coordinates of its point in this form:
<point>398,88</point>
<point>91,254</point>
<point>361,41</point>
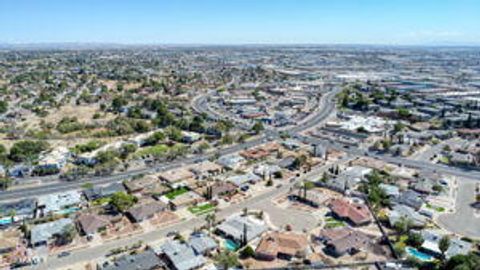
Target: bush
<point>69,124</point>
<point>27,150</point>
<point>247,252</point>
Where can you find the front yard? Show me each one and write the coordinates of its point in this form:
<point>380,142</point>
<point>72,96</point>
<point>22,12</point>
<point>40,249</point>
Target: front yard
<point>177,192</point>
<point>201,209</point>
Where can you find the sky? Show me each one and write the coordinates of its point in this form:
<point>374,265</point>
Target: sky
<point>389,22</point>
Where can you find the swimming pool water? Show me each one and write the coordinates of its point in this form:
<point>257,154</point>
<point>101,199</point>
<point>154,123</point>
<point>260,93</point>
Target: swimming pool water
<point>418,254</point>
<point>231,245</point>
<point>5,220</point>
<point>68,211</point>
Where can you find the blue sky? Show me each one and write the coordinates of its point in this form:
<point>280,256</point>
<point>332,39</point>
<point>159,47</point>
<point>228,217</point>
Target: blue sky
<point>241,21</point>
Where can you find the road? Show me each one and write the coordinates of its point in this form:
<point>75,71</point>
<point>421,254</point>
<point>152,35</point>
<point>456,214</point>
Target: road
<point>463,221</point>
<point>404,162</point>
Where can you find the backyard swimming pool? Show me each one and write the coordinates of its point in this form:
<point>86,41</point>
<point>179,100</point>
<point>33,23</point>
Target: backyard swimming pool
<point>418,254</point>
<point>67,211</point>
<point>5,221</point>
<point>231,245</point>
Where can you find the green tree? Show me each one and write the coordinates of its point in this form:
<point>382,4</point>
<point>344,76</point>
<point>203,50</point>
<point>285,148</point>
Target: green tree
<point>226,259</point>
<point>210,219</point>
<point>155,138</point>
<point>67,235</point>
<point>3,106</point>
<point>415,239</point>
<point>5,182</point>
<point>106,156</point>
<point>402,226</point>
<point>460,262</point>
<point>444,244</point>
<point>122,201</point>
<point>118,102</point>
<point>403,113</point>
<point>127,149</point>
<point>173,133</point>
<point>247,252</point>
<point>398,127</point>
<point>258,127</point>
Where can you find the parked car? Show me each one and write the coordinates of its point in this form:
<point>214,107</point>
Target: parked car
<point>172,233</point>
<point>63,254</point>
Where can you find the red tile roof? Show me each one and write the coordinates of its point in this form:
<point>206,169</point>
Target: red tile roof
<point>357,213</point>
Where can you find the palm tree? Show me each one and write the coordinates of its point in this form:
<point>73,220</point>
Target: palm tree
<point>210,219</point>
<point>443,245</point>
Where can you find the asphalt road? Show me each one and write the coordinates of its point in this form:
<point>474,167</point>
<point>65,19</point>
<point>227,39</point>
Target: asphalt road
<point>463,221</point>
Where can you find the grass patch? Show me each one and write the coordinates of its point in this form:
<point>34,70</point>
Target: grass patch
<point>102,201</point>
<point>201,209</point>
<point>177,192</point>
<point>333,223</point>
<point>436,208</point>
<point>444,160</point>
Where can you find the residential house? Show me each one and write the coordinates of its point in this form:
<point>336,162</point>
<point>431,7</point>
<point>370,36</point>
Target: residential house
<point>312,198</point>
<point>55,202</point>
<point>291,144</point>
<point>145,211</point>
<point>236,227</point>
<point>180,256</point>
<point>202,243</point>
<point>22,209</point>
<point>410,198</point>
<point>19,170</point>
<point>102,192</point>
<point>231,162</point>
<point>242,179</point>
<point>146,260</point>
<point>341,241</point>
<point>255,153</point>
<point>56,159</point>
<point>432,240</point>
<point>400,212</point>
<point>218,189</point>
<point>282,245</point>
<point>392,191</point>
<point>185,199</point>
<point>355,213</point>
<point>190,137</point>
<point>206,169</point>
<point>424,186</point>
<point>43,233</point>
<point>140,184</point>
<point>89,224</point>
<point>287,163</point>
<point>176,175</point>
<point>266,170</point>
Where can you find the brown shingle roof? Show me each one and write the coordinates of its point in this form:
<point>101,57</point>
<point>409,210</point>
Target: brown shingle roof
<point>141,212</point>
<point>91,223</point>
<point>284,243</point>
